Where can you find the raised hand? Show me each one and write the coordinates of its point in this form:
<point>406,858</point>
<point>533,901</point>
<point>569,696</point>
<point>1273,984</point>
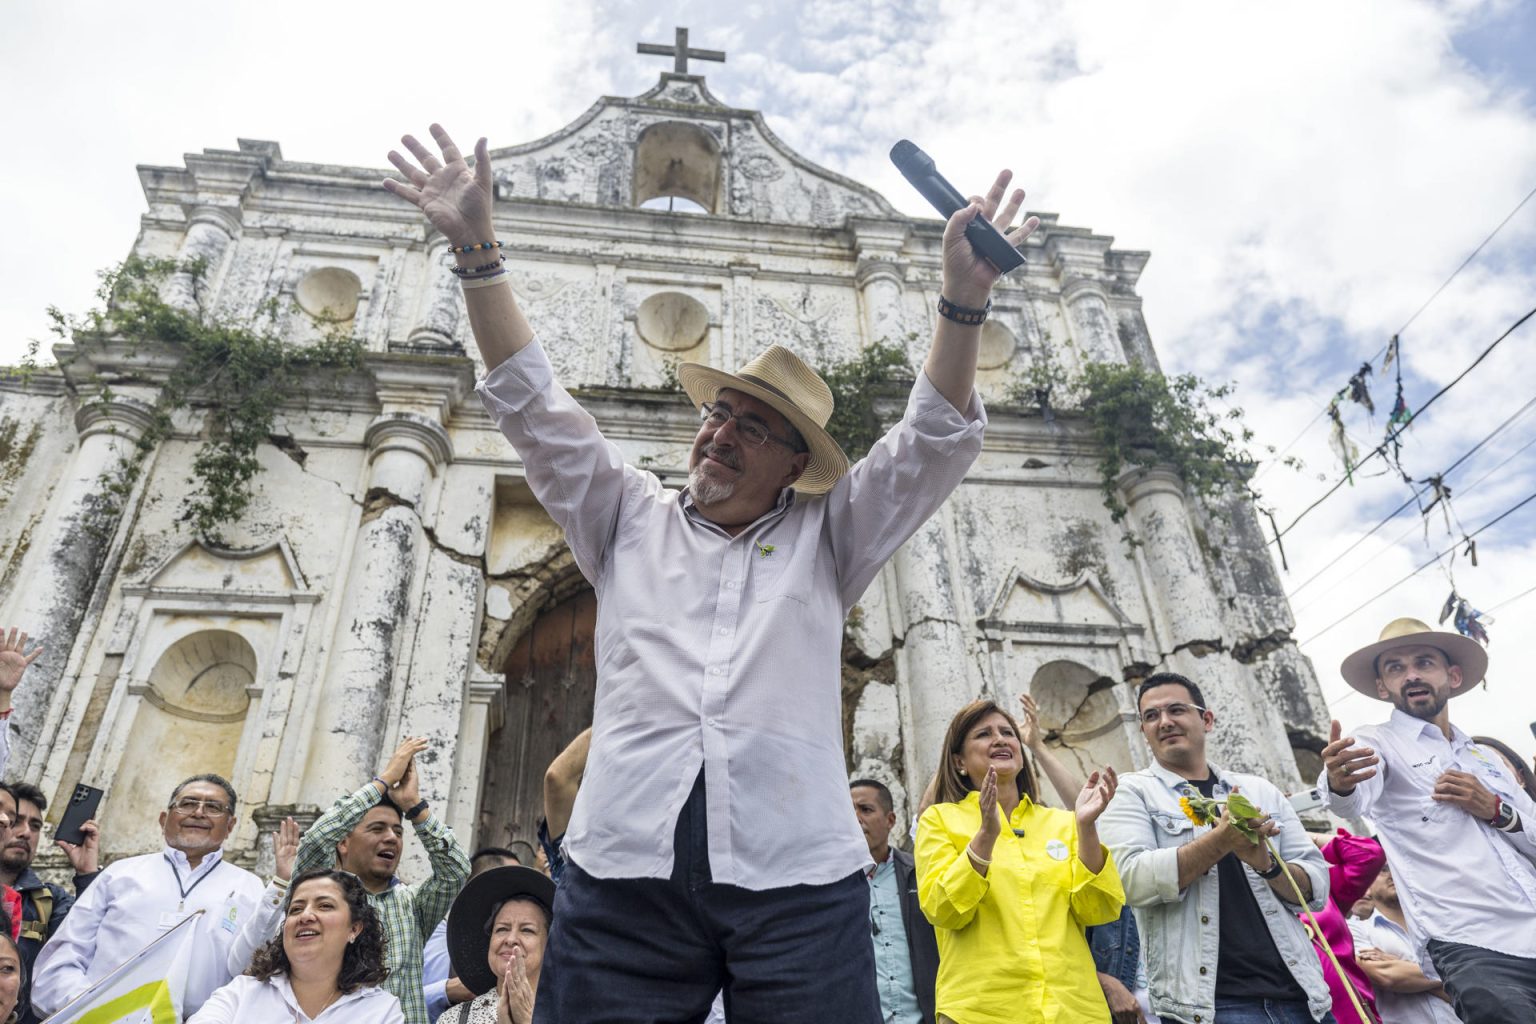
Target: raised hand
<point>394,770</point>
<point>969,277</point>
<point>1029,721</point>
<point>1347,764</point>
<point>456,199</point>
<point>285,845</point>
<point>84,857</point>
<point>407,793</point>
<point>14,658</point>
<point>991,824</point>
<point>1465,790</point>
<point>1096,795</point>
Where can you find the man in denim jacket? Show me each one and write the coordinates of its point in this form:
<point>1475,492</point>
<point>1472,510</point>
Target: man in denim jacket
<point>1216,912</point>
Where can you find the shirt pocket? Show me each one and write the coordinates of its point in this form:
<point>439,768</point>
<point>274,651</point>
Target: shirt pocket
<point>777,573</point>
<point>1171,828</point>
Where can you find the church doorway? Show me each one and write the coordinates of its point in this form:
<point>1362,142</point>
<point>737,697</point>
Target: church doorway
<point>551,678</point>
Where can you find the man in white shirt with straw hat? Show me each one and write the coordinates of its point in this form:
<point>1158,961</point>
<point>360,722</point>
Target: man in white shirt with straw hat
<point>711,845</point>
<point>1459,831</point>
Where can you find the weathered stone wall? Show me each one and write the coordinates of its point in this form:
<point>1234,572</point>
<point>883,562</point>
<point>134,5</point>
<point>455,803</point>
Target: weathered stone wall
<point>393,554</point>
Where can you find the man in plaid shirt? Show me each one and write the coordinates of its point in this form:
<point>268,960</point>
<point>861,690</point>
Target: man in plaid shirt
<point>364,833</point>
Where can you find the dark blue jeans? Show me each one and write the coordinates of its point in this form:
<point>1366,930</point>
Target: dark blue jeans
<point>656,951</point>
<point>1265,1011</point>
<point>1486,987</point>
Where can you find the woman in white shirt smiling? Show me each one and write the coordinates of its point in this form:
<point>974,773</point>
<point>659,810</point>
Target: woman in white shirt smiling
<point>325,966</point>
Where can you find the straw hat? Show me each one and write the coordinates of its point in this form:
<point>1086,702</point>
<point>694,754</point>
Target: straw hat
<point>779,378</point>
<point>469,938</point>
<point>1359,669</point>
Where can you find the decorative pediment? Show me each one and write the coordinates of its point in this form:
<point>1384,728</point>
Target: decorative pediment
<point>1026,605</point>
<point>267,573</point>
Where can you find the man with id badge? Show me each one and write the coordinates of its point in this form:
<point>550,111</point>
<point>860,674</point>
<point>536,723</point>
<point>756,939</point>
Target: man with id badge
<point>137,899</point>
<point>1456,825</point>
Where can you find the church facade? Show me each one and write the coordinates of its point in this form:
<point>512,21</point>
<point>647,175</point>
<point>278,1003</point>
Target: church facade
<point>394,575</point>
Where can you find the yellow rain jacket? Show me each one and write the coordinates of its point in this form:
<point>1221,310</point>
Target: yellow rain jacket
<point>1011,945</point>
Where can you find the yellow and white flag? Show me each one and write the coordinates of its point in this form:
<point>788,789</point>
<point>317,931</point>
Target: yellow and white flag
<point>148,989</point>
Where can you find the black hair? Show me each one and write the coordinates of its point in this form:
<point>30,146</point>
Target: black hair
<point>494,851</point>
<point>490,919</point>
<point>881,789</point>
<point>362,962</point>
<point>28,792</point>
<point>1170,679</point>
<point>385,801</point>
<point>217,780</point>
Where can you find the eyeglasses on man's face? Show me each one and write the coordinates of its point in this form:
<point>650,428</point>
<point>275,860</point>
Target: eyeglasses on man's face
<point>1178,709</point>
<point>749,428</point>
<point>194,805</point>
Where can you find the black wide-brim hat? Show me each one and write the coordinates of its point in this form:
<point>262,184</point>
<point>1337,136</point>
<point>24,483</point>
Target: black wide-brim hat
<point>469,942</point>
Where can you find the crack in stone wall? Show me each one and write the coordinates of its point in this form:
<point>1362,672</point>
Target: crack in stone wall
<point>859,670</point>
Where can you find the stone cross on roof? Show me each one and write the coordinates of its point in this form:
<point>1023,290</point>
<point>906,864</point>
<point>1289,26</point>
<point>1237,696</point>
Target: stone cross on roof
<point>680,52</point>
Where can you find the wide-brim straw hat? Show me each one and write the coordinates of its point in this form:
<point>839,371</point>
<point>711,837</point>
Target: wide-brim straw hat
<point>469,940</point>
<point>1359,669</point>
<point>779,378</point>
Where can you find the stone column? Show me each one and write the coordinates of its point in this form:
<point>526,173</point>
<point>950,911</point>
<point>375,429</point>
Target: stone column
<point>209,232</point>
<point>1092,326</point>
<point>936,662</point>
<point>1194,631</point>
<point>405,450</point>
<point>51,601</point>
<point>881,280</point>
<point>441,304</point>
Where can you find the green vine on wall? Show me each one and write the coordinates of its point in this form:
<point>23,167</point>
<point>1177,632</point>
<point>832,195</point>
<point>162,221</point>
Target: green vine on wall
<point>1139,417</point>
<point>856,384</point>
<point>239,373</point>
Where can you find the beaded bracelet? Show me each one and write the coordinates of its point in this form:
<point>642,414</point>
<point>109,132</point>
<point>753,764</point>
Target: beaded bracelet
<point>484,268</point>
<point>501,277</point>
<point>474,248</point>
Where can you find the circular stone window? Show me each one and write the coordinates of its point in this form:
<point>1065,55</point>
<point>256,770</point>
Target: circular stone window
<point>672,321</point>
<point>997,346</point>
<point>329,293</point>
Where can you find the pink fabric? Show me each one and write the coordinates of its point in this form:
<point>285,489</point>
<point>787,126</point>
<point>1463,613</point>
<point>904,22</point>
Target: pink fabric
<point>1354,861</point>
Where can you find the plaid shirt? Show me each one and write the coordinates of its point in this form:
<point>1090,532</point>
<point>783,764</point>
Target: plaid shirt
<point>408,913</point>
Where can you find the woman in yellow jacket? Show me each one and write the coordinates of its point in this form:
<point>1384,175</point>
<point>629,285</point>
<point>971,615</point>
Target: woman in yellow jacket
<point>1010,885</point>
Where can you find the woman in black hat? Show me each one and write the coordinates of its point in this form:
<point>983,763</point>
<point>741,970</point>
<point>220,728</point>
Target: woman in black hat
<point>496,934</point>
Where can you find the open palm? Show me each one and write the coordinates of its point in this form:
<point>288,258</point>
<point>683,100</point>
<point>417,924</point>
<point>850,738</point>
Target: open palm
<point>456,198</point>
<point>14,659</point>
<point>1096,795</point>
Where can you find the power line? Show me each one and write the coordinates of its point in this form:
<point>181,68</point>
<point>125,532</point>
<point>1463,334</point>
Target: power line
<point>1331,563</point>
<point>1468,489</point>
<point>1443,284</point>
<point>1381,449</point>
<point>1387,590</point>
<point>1510,600</point>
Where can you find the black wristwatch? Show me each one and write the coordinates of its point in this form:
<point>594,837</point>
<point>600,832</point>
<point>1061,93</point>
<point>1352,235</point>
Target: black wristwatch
<point>410,815</point>
<point>1274,870</point>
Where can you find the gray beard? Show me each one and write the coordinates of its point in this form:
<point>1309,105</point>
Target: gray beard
<point>707,491</point>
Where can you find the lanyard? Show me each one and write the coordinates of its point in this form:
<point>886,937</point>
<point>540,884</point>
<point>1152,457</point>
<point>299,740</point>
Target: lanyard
<point>186,890</point>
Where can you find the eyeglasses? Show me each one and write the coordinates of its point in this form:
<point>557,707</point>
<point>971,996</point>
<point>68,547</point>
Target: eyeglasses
<point>1175,710</point>
<point>192,805</point>
<point>753,431</point>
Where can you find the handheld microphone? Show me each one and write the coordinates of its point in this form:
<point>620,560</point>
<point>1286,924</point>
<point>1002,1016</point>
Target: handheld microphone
<point>917,167</point>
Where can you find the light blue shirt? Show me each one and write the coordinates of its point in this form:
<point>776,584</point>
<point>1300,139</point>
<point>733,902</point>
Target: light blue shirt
<point>435,971</point>
<point>893,962</point>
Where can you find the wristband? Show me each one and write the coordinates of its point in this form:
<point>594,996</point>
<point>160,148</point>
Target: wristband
<point>1513,824</point>
<point>476,247</point>
<point>978,858</point>
<point>1274,870</point>
<point>415,810</point>
<point>280,883</point>
<point>381,782</point>
<point>963,314</point>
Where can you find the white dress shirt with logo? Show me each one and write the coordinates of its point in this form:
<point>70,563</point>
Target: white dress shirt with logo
<point>718,651</point>
<point>1458,879</point>
<point>248,1001</point>
<point>132,903</point>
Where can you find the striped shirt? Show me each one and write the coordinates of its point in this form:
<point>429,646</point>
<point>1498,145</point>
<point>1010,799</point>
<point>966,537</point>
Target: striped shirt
<point>408,913</point>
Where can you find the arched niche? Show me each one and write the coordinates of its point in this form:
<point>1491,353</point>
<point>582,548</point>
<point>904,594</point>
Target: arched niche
<point>329,294</point>
<point>190,721</point>
<point>1081,719</point>
<point>997,346</point>
<point>672,322</point>
<point>674,158</point>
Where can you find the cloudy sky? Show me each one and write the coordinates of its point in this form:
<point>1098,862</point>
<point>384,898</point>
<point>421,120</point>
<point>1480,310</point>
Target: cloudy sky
<point>1305,176</point>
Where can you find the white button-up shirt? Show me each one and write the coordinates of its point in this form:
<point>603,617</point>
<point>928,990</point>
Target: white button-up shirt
<point>1381,932</point>
<point>1458,879</point>
<point>132,903</point>
<point>718,651</point>
<point>272,1002</point>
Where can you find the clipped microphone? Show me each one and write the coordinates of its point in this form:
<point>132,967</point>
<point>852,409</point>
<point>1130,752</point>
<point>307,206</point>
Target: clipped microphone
<point>917,167</point>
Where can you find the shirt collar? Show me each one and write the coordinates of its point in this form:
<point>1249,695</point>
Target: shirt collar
<point>1173,780</point>
<point>1415,728</point>
<point>786,498</point>
<point>179,859</point>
